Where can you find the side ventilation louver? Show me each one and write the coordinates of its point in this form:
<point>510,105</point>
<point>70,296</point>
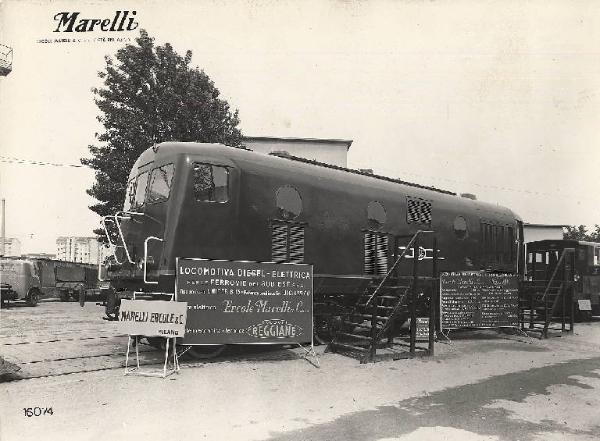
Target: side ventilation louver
<point>376,253</point>
<point>296,244</point>
<point>287,242</point>
<point>279,243</point>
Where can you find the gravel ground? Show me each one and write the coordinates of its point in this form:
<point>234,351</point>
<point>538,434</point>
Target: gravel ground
<point>482,386</point>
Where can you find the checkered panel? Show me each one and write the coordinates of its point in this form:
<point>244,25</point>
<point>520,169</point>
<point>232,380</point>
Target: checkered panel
<point>418,211</point>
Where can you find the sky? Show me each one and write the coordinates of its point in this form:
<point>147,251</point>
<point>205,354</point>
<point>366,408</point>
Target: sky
<point>496,98</point>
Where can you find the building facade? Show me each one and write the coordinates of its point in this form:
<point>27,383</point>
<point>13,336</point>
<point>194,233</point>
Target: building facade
<point>329,151</point>
<point>80,249</point>
<point>535,232</point>
<point>39,256</point>
<point>12,246</point>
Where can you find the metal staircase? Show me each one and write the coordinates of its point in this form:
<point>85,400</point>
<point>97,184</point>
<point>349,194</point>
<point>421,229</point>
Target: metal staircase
<point>546,303</point>
<point>386,304</point>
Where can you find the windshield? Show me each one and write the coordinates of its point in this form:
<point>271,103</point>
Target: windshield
<point>129,194</point>
<point>154,186</point>
<point>160,183</point>
<point>140,189</point>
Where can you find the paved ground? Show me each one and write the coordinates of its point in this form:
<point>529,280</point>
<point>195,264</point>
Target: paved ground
<point>482,386</point>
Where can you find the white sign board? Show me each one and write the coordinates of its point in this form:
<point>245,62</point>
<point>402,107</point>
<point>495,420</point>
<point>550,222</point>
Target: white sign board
<point>585,305</point>
<point>153,318</point>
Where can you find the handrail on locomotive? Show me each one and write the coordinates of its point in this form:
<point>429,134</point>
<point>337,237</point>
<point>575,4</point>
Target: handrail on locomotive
<point>393,267</point>
<point>148,239</point>
<point>115,219</point>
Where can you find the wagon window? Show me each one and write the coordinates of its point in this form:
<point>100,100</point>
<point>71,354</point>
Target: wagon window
<point>460,227</point>
<point>376,214</point>
<point>160,183</point>
<point>510,237</point>
<point>140,192</point>
<point>288,202</point>
<point>597,256</point>
<point>211,183</point>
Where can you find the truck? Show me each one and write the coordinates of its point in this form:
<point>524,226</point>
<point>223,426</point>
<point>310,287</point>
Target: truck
<point>32,279</point>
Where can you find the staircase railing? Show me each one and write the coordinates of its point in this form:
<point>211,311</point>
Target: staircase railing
<point>560,293</point>
<point>377,334</point>
<point>400,257</point>
<point>556,267</point>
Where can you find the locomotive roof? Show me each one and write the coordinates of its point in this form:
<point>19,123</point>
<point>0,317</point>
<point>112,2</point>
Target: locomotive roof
<point>191,147</point>
<point>166,150</point>
<point>565,242</point>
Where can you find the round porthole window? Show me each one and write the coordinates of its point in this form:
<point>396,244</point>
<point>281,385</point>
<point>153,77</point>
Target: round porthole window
<point>289,202</point>
<point>376,214</point>
<point>460,227</point>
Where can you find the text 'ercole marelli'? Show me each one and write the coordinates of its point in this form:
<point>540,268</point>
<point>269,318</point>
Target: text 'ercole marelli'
<point>70,21</point>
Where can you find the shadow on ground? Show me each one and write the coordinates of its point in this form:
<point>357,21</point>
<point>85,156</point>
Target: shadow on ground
<point>460,408</point>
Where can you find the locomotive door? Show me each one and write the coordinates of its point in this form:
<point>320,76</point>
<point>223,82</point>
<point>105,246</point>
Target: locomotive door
<point>212,215</point>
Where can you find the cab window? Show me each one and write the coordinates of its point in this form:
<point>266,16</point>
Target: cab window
<point>597,256</point>
<point>160,183</point>
<point>211,183</point>
<point>129,195</point>
<point>140,190</point>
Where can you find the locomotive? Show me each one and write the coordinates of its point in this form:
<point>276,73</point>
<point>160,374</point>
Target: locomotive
<point>187,199</point>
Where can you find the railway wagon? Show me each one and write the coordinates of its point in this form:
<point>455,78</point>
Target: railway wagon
<point>542,258</point>
<point>217,202</point>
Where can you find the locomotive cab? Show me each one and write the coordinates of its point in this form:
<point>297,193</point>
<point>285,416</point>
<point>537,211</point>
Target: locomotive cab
<point>169,189</point>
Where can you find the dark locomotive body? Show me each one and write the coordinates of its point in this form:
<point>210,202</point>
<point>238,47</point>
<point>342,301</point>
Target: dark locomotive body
<point>217,202</point>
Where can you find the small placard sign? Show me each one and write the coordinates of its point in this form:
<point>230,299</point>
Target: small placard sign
<point>585,305</point>
<point>153,318</point>
<point>422,328</point>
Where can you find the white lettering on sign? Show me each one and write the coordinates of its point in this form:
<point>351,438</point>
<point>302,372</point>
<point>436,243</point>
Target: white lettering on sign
<point>154,318</point>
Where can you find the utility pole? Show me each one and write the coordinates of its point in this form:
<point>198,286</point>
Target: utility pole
<point>3,227</point>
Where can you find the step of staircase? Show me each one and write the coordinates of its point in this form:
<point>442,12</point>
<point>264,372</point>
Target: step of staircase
<point>356,336</point>
<point>338,345</point>
<point>390,308</point>
<point>370,316</point>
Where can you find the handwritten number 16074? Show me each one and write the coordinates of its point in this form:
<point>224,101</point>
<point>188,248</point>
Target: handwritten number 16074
<point>37,411</point>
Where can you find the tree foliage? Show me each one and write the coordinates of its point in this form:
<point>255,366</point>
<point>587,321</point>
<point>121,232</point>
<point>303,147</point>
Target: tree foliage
<point>580,232</point>
<point>150,95</point>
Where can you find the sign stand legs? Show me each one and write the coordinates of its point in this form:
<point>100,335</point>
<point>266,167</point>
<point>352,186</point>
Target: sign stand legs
<point>310,353</point>
<point>446,336</point>
<point>166,370</point>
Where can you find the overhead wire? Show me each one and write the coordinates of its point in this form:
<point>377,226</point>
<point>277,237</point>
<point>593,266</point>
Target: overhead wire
<point>12,160</point>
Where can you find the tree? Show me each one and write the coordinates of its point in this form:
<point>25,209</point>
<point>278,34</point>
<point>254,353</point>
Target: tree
<point>150,95</point>
<point>580,233</point>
